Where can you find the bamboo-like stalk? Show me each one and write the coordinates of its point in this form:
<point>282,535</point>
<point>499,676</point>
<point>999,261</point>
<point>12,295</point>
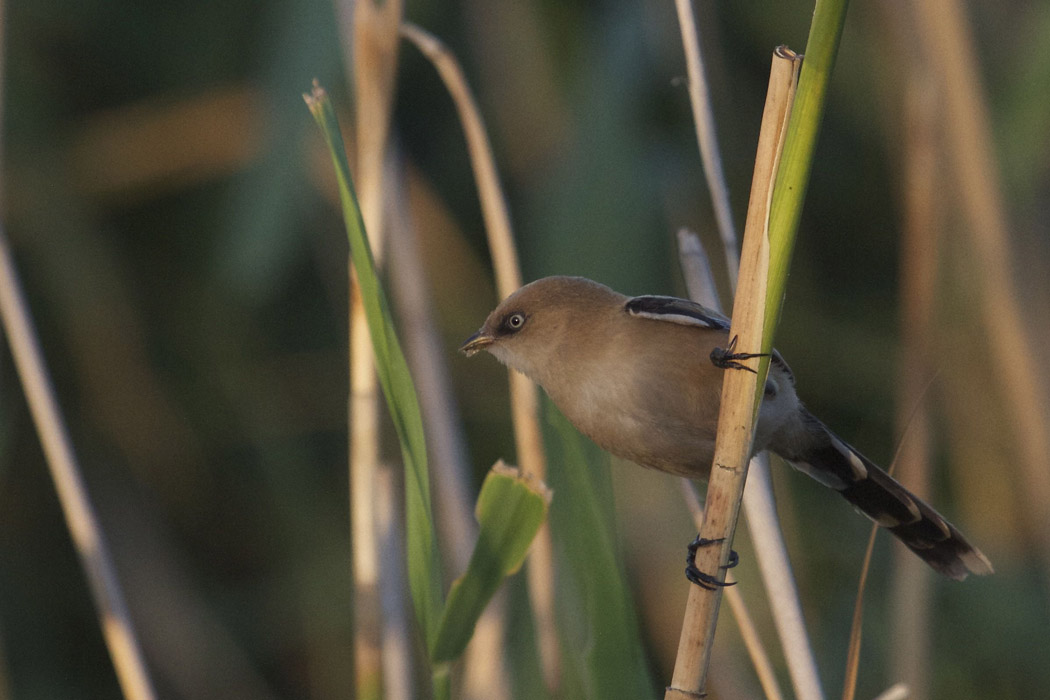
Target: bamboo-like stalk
<point>767,677</point>
<point>760,514</point>
<point>523,393</point>
<point>912,584</point>
<point>759,507</point>
<point>363,417</point>
<point>375,45</point>
<point>946,41</point>
<point>371,30</point>
<point>741,392</point>
<point>90,542</point>
<point>707,139</point>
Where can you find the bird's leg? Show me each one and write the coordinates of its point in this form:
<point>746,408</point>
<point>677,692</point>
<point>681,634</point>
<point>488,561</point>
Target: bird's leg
<point>726,358</point>
<point>698,577</point>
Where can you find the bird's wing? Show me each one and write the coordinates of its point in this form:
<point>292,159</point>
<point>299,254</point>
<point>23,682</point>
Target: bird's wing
<point>689,313</point>
<point>675,310</point>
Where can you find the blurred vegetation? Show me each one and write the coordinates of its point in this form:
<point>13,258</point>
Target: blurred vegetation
<point>169,208</point>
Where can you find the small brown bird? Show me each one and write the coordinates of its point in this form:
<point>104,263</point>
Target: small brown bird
<point>642,377</point>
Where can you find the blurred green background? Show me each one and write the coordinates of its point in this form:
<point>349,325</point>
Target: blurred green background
<point>165,197</point>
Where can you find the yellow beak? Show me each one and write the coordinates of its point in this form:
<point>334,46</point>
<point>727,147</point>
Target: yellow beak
<point>476,343</point>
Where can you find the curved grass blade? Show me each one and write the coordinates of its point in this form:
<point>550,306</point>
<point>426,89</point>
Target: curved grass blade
<point>424,563</point>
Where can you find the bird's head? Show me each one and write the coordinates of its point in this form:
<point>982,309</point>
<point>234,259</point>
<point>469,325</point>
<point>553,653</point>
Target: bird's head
<point>542,318</point>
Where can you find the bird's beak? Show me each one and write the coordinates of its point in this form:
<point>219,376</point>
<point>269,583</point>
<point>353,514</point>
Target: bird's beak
<point>475,343</point>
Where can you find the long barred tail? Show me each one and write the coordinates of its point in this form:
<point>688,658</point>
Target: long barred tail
<point>879,496</point>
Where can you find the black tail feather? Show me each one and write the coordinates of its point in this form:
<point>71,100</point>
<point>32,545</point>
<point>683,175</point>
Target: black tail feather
<point>883,499</point>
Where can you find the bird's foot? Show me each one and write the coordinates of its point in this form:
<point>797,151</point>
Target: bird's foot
<point>726,358</point>
<point>707,581</point>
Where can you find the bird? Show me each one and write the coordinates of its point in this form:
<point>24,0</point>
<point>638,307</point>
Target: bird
<point>642,377</point>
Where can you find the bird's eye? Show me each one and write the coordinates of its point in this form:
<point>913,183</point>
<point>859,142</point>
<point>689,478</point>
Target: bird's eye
<point>514,321</point>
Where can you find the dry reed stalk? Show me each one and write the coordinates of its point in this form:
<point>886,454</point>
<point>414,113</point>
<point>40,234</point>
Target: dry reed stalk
<point>761,515</point>
<point>363,416</point>
<point>485,674</point>
<point>759,506</point>
<point>696,270</point>
<point>707,139</point>
<point>947,41</point>
<point>371,30</point>
<point>739,394</point>
<point>490,192</point>
<point>922,227</point>
<point>90,543</point>
<point>375,44</point>
<point>523,393</point>
<point>767,677</point>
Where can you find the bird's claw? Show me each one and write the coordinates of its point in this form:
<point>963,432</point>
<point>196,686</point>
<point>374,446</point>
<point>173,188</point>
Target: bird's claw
<point>707,581</point>
<point>726,358</point>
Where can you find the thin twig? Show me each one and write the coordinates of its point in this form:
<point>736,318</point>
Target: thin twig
<point>703,118</point>
<point>523,393</point>
<point>88,538</point>
<point>413,298</point>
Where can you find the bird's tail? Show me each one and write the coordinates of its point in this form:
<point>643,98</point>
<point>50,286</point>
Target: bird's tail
<point>879,496</point>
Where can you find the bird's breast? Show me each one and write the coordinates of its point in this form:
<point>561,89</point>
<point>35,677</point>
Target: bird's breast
<point>658,415</point>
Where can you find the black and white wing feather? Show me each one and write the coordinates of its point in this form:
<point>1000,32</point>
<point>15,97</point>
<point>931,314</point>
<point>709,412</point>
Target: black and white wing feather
<point>675,310</point>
